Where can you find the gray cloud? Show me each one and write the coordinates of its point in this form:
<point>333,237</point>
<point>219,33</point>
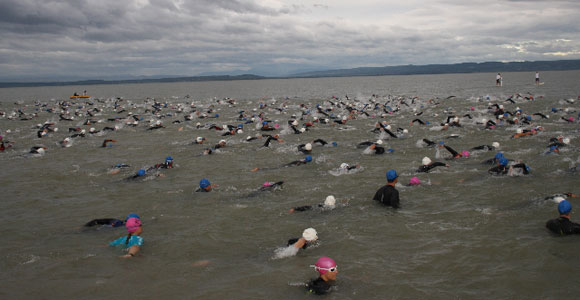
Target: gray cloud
<point>274,37</point>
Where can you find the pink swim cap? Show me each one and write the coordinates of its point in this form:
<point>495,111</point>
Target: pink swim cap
<point>472,108</point>
<point>571,119</point>
<point>324,264</point>
<point>465,154</point>
<point>266,184</point>
<point>276,125</point>
<point>492,127</point>
<point>414,181</point>
<point>133,224</point>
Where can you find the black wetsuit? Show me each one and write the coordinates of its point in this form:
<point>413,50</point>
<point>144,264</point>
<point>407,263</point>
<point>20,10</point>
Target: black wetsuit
<point>429,143</point>
<point>483,147</point>
<point>307,207</point>
<point>295,163</point>
<point>563,226</point>
<point>271,187</point>
<point>498,170</point>
<point>388,196</point>
<point>110,222</point>
<point>320,141</point>
<point>427,168</point>
<point>318,286</point>
<point>303,150</point>
<point>452,151</point>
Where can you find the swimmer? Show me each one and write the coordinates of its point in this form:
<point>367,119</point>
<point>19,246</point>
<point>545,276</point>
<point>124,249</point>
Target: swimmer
<point>414,181</point>
<point>309,236</point>
<point>269,186</point>
<point>199,140</point>
<point>108,141</point>
<point>388,195</point>
<point>329,203</point>
<point>429,143</point>
<point>116,169</point>
<point>133,241</point>
<point>454,153</point>
<point>168,164</point>
<point>221,144</point>
<point>347,167</point>
<point>304,161</point>
<point>428,165</point>
<point>305,148</point>
<point>65,143</point>
<point>562,225</point>
<point>553,149</point>
<point>39,150</point>
<point>141,173</point>
<point>494,160</point>
<point>494,146</point>
<point>205,186</point>
<point>328,270</point>
<point>271,138</point>
<point>559,142</point>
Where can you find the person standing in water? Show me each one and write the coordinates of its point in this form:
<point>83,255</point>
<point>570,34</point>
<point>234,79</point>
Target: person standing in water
<point>537,78</point>
<point>387,194</point>
<point>562,225</point>
<point>498,79</point>
<point>132,241</point>
<point>328,270</point>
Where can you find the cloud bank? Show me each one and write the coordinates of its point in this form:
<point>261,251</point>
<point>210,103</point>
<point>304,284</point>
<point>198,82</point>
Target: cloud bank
<point>112,39</point>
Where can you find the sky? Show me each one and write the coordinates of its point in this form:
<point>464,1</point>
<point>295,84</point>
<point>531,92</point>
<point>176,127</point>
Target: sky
<point>116,39</point>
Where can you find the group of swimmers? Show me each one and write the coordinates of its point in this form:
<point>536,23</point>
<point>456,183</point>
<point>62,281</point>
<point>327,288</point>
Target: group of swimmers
<point>334,112</point>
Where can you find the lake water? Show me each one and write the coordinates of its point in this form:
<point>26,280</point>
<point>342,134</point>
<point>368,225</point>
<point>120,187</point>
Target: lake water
<point>462,234</point>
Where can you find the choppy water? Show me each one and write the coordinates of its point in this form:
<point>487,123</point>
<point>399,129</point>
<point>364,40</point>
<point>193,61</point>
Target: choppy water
<point>467,235</point>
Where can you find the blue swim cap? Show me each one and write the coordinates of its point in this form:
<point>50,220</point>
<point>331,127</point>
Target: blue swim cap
<point>552,148</point>
<point>564,207</point>
<point>308,158</point>
<point>391,175</point>
<point>168,158</point>
<point>554,109</point>
<point>141,172</point>
<point>503,161</point>
<point>132,216</point>
<point>498,155</point>
<point>427,122</point>
<point>390,150</point>
<point>334,144</point>
<point>264,123</point>
<point>441,143</point>
<point>529,118</point>
<point>204,183</point>
<point>240,126</point>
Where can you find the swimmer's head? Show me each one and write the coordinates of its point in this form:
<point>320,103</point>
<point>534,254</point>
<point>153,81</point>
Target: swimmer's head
<point>441,143</point>
<point>169,160</point>
<point>267,184</point>
<point>391,175</point>
<point>133,224</point>
<point>132,215</point>
<point>141,172</point>
<point>495,145</point>
<point>324,265</point>
<point>426,161</point>
<point>379,142</point>
<point>483,120</point>
<point>204,183</point>
<point>308,158</point>
<point>498,155</point>
<point>519,130</point>
<point>388,127</point>
<point>414,181</point>
<point>571,119</point>
<point>330,201</point>
<point>559,199</point>
<point>302,130</point>
<point>344,166</point>
<point>308,147</point>
<point>310,234</point>
<point>405,131</point>
<point>554,109</point>
<point>465,154</point>
<point>566,141</point>
<point>294,123</point>
<point>222,142</point>
<point>564,207</point>
<point>334,144</point>
<point>199,139</point>
<point>503,161</point>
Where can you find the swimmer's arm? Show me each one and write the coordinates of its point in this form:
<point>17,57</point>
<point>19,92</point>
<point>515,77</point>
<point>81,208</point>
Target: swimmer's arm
<point>300,243</point>
<point>132,251</point>
<point>572,195</point>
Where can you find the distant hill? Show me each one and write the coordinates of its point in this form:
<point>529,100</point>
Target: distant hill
<point>527,66</point>
<point>172,79</point>
<point>485,67</point>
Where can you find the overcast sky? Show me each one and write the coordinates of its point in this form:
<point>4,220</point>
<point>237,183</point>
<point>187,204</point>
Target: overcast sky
<point>111,38</point>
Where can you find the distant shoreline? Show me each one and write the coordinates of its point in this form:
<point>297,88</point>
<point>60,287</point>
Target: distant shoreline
<point>460,68</point>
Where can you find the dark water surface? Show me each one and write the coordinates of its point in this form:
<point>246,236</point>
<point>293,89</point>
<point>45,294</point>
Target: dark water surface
<point>463,234</point>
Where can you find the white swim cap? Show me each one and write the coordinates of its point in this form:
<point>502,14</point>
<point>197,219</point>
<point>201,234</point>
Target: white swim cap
<point>55,130</point>
<point>566,109</point>
<point>67,140</point>
<point>558,199</point>
<point>344,166</point>
<point>40,150</point>
<point>83,131</point>
<point>310,234</point>
<point>495,144</point>
<point>92,129</point>
<point>456,119</point>
<point>326,120</point>
<point>199,139</point>
<point>222,141</point>
<point>253,119</point>
<point>315,118</point>
<point>330,201</point>
<point>158,122</point>
<point>500,106</point>
<point>240,131</point>
<point>380,142</point>
<point>308,147</point>
<point>566,141</point>
<point>302,129</point>
<point>248,138</point>
<point>426,160</point>
<point>344,118</point>
<point>295,123</point>
<point>388,127</point>
<point>405,131</point>
<point>500,117</point>
<point>198,124</point>
<point>483,120</point>
<point>519,130</point>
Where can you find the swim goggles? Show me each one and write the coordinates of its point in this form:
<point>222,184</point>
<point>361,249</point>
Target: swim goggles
<point>332,270</point>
